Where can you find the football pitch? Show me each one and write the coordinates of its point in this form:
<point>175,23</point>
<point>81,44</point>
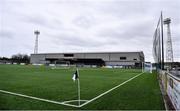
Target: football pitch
<point>42,88</point>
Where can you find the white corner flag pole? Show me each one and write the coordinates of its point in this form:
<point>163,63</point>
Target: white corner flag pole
<point>78,88</point>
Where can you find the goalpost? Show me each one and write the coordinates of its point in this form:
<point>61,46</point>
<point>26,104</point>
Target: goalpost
<point>59,64</point>
<point>147,67</point>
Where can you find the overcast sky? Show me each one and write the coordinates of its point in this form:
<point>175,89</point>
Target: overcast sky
<point>85,25</point>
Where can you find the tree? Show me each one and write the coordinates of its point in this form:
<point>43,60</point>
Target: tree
<point>20,58</point>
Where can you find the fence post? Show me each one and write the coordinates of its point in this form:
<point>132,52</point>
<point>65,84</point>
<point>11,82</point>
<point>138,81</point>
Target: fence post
<point>166,82</point>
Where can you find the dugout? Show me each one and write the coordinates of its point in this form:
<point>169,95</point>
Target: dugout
<point>73,61</point>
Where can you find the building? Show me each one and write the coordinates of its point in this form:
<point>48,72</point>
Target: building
<point>124,59</point>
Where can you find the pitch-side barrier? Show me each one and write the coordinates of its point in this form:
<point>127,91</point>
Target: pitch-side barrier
<point>170,85</point>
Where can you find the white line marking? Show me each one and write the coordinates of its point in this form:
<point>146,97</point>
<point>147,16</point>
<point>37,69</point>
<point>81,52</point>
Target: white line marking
<point>36,98</point>
<point>73,101</point>
<point>65,102</point>
<point>110,90</point>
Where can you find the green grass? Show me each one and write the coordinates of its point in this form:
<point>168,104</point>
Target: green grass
<point>57,84</point>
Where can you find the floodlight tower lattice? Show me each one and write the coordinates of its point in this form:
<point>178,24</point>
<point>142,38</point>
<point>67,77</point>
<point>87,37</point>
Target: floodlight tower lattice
<point>36,32</point>
<point>169,49</point>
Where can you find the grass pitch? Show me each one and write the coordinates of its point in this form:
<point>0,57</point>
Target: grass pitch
<point>56,84</point>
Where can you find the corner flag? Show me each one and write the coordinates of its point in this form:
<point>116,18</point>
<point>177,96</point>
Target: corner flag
<point>75,76</point>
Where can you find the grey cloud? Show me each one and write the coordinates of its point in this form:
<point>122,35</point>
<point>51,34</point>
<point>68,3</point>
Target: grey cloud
<point>6,34</point>
<point>132,32</point>
<point>49,22</point>
<point>37,19</point>
<point>85,21</point>
<point>72,40</point>
<point>28,47</point>
<point>86,24</point>
<point>133,9</point>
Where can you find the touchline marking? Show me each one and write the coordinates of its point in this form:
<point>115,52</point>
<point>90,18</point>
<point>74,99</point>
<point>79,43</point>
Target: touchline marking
<point>40,99</point>
<point>110,90</point>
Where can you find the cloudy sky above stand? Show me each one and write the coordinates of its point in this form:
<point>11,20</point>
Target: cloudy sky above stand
<point>85,25</point>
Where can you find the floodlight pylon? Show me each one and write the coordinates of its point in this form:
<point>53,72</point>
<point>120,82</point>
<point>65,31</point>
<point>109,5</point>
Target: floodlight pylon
<point>36,32</point>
